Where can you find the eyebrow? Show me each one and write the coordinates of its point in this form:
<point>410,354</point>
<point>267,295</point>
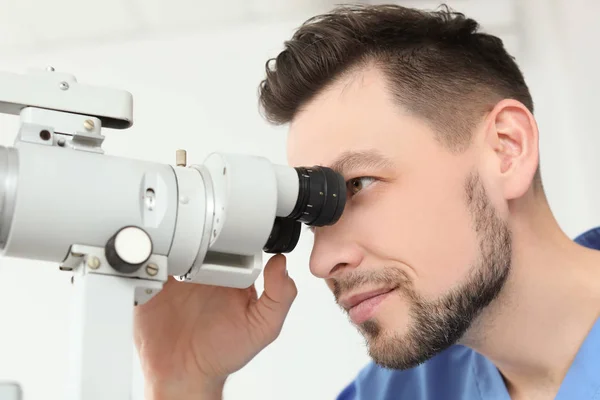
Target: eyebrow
<point>360,160</point>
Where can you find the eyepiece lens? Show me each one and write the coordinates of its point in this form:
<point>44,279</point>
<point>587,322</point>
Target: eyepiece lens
<point>284,236</point>
<point>321,201</point>
<point>321,197</point>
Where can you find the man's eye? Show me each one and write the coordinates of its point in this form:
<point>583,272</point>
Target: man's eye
<point>355,185</point>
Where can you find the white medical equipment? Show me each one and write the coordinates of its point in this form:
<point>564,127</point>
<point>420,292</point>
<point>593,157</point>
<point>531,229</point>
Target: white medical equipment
<point>122,226</point>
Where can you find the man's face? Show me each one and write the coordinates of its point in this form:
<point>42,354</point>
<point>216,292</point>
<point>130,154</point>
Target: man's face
<point>419,249</point>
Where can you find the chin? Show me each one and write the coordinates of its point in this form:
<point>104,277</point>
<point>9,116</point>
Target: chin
<point>393,350</point>
<point>392,343</point>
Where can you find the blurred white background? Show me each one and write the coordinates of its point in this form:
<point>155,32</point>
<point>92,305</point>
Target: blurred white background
<point>193,68</point>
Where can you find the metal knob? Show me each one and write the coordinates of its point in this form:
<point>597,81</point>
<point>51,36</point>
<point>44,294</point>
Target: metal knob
<point>128,249</point>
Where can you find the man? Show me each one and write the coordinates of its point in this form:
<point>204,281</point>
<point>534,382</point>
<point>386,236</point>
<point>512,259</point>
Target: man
<point>447,257</point>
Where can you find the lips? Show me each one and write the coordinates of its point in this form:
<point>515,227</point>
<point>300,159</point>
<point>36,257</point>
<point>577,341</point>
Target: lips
<point>353,301</point>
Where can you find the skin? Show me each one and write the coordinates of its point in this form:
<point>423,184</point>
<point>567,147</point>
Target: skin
<point>409,224</point>
<point>436,225</point>
<point>181,333</point>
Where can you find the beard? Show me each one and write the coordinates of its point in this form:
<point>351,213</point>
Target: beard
<point>436,325</point>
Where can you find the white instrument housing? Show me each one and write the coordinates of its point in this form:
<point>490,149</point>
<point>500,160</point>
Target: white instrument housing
<point>122,226</point>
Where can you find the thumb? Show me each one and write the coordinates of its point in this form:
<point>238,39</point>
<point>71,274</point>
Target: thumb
<point>278,295</point>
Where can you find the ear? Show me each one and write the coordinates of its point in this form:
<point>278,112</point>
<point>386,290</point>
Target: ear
<point>512,134</point>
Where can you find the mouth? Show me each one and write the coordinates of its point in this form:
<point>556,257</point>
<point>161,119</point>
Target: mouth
<point>362,306</point>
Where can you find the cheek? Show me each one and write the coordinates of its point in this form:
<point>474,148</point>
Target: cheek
<point>427,228</point>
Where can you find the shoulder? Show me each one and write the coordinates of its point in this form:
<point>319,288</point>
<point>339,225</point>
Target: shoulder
<point>452,374</point>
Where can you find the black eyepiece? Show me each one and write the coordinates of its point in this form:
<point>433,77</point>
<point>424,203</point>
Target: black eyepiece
<point>284,236</point>
<point>321,196</point>
<point>321,201</point>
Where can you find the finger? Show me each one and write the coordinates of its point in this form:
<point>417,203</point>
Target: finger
<point>278,284</point>
<point>279,291</point>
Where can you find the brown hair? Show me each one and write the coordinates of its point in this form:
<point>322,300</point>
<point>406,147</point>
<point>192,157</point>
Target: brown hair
<point>438,64</point>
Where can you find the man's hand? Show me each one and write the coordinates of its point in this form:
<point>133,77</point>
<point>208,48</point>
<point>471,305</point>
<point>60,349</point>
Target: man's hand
<point>190,337</point>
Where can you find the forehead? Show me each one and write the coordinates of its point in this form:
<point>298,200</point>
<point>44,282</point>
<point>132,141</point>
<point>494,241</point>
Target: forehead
<point>357,113</point>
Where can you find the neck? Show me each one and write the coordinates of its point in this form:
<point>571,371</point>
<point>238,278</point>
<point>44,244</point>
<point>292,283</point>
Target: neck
<point>533,331</point>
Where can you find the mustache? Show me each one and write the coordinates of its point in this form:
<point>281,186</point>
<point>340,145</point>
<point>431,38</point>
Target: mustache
<point>387,276</point>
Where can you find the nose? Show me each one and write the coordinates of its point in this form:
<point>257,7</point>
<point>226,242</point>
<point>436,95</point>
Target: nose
<point>333,252</point>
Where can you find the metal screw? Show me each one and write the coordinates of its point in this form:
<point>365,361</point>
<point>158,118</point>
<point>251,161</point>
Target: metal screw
<point>45,135</point>
<point>88,124</point>
<point>93,262</point>
<point>152,269</point>
<point>50,68</point>
<point>148,291</point>
<point>61,142</point>
<point>63,86</point>
<point>150,199</point>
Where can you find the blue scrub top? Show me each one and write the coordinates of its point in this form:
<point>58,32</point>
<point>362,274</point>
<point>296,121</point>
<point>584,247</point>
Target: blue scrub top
<point>460,373</point>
